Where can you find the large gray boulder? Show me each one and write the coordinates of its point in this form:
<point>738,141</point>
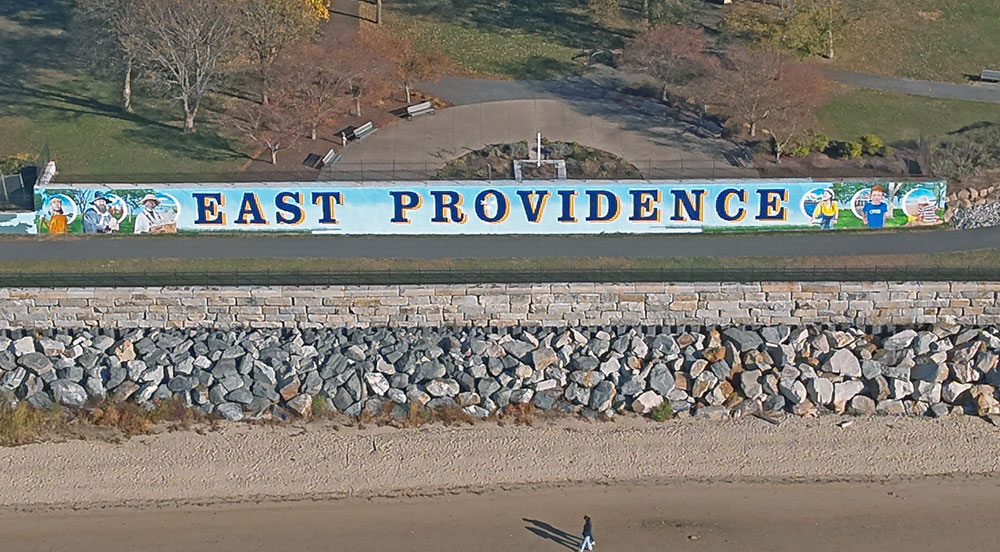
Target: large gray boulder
<point>68,393</point>
<point>899,341</point>
<point>794,391</point>
<point>744,340</point>
<point>443,388</point>
<point>602,396</point>
<point>661,380</point>
<point>843,362</point>
<point>820,390</point>
<point>846,390</point>
<point>646,402</point>
<point>377,382</point>
<point>230,411</point>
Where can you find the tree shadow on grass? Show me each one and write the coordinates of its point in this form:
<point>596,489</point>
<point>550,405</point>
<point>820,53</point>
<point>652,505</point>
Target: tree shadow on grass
<point>563,22</point>
<point>539,68</point>
<point>206,144</point>
<point>39,102</point>
<point>33,36</point>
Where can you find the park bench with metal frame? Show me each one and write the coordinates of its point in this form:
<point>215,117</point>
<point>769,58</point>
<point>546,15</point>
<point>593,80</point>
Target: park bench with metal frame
<point>990,75</point>
<point>330,158</point>
<point>419,109</point>
<point>364,130</point>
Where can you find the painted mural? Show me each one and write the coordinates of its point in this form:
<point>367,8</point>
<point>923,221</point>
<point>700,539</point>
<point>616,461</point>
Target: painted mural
<point>497,207</point>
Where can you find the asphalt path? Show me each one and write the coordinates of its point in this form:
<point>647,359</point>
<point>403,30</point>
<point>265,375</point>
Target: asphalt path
<point>985,92</point>
<point>601,82</point>
<point>442,247</point>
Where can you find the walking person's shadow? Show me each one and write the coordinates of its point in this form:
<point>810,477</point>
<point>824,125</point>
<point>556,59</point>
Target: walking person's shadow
<point>554,534</point>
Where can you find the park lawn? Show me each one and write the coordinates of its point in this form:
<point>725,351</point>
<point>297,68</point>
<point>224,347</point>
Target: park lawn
<point>899,117</point>
<point>518,39</point>
<point>48,99</point>
<point>946,40</point>
<point>985,259</point>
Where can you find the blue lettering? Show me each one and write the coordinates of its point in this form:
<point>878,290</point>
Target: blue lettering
<point>403,202</point>
<point>597,199</point>
<point>329,201</point>
<point>210,208</point>
<point>289,210</point>
<point>502,209</point>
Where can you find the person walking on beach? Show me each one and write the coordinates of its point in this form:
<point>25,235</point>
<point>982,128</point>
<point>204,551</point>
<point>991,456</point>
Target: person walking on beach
<point>588,535</point>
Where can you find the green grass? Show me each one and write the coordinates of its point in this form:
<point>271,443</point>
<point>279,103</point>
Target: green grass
<point>925,39</point>
<point>520,39</point>
<point>985,259</point>
<point>663,412</point>
<point>899,117</point>
<point>48,98</point>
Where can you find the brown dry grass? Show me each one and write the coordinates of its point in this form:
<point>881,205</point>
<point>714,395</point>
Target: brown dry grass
<point>23,424</point>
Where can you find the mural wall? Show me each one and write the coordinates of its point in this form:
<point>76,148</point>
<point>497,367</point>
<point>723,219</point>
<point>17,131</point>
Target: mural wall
<point>497,207</point>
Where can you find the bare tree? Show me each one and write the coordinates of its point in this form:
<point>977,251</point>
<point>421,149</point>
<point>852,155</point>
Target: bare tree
<point>112,30</point>
<point>371,82</point>
<point>756,83</point>
<point>188,43</point>
<point>269,28</point>
<point>674,54</point>
<point>274,126</point>
<point>803,88</point>
<point>320,92</point>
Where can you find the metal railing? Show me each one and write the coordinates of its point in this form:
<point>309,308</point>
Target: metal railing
<point>651,169</point>
<point>509,276</point>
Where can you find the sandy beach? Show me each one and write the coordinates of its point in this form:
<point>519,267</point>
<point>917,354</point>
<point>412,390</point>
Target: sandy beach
<point>889,484</point>
<point>324,460</point>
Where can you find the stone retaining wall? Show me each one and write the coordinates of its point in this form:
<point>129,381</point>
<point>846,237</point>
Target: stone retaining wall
<point>797,303</point>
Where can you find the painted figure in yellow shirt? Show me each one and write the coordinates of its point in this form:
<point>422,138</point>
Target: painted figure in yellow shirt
<point>827,211</point>
<point>57,219</point>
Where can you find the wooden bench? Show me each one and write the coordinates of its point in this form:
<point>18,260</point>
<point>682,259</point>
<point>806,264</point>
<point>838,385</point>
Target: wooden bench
<point>990,75</point>
<point>419,109</point>
<point>364,130</point>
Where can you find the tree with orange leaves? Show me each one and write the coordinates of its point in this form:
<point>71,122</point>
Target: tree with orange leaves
<point>271,27</point>
<point>409,63</point>
<point>675,54</point>
<point>759,83</point>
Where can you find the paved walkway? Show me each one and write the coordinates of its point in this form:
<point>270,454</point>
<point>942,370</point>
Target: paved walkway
<point>441,247</point>
<point>984,92</point>
<point>637,133</point>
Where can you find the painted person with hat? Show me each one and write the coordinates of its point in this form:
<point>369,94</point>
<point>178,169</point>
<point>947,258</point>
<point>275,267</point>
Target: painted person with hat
<point>827,211</point>
<point>97,219</point>
<point>148,220</point>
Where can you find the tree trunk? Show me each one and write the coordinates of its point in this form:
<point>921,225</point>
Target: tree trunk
<point>645,11</point>
<point>127,88</point>
<point>407,85</point>
<point>189,114</point>
<point>829,36</point>
<point>357,105</point>
<point>378,12</point>
<point>274,157</point>
<point>666,94</point>
<point>753,129</point>
<point>313,133</point>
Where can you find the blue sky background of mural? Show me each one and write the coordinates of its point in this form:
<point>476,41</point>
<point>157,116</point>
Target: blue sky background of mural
<point>505,207</point>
